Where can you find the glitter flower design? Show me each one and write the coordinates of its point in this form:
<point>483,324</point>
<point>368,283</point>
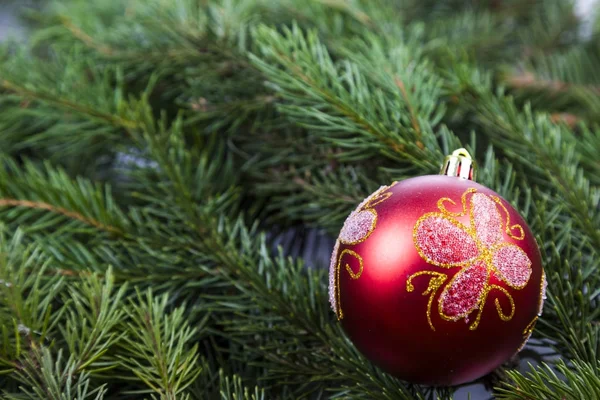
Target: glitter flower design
<point>478,250</point>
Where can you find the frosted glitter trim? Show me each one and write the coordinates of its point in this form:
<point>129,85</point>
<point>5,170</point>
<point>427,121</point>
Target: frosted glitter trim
<point>478,249</point>
<point>357,228</point>
<point>528,331</point>
<point>332,280</point>
<point>527,337</point>
<point>543,288</point>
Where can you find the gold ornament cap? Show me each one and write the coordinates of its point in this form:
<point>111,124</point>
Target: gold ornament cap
<point>459,164</point>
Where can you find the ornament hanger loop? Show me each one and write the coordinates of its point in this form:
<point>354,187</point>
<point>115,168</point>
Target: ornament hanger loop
<point>459,164</point>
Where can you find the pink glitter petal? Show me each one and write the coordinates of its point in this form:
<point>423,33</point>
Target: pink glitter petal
<point>463,294</point>
<point>357,227</point>
<point>512,265</point>
<point>486,219</point>
<point>442,242</point>
<point>332,266</point>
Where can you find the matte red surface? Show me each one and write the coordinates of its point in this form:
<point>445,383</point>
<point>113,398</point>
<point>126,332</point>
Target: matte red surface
<point>389,325</point>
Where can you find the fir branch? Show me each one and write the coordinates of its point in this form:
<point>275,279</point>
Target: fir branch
<point>321,193</point>
<point>28,312</point>
<point>51,189</point>
<point>59,210</point>
<point>578,381</point>
<point>60,102</point>
<point>334,99</point>
<point>93,313</point>
<point>158,350</point>
<point>231,388</point>
<point>413,118</point>
<point>45,377</point>
<point>72,109</point>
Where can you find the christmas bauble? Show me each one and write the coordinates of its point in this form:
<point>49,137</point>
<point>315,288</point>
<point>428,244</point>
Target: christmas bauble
<point>437,279</point>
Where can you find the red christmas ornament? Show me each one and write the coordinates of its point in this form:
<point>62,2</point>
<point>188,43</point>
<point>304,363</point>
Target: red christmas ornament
<point>437,279</point>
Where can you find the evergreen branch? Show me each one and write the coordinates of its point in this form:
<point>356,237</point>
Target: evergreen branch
<point>184,32</point>
<point>65,109</point>
<point>45,377</point>
<point>59,210</point>
<point>580,380</point>
<point>334,99</point>
<point>65,103</point>
<point>92,315</point>
<point>320,198</point>
<point>185,53</point>
<point>51,189</point>
<point>232,388</point>
<point>132,242</point>
<point>564,81</point>
<point>27,299</point>
<point>158,350</point>
<point>413,117</point>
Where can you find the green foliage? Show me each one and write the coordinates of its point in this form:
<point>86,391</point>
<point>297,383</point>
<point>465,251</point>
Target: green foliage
<point>152,150</point>
<point>158,351</point>
<point>26,299</point>
<point>580,382</point>
<point>44,378</point>
<point>233,389</point>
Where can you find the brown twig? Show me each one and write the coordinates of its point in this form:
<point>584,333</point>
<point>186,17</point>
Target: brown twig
<point>65,103</point>
<point>85,38</point>
<point>528,80</point>
<point>59,210</point>
<point>571,120</point>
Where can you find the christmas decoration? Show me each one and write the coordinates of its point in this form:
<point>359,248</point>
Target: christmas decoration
<point>437,279</point>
